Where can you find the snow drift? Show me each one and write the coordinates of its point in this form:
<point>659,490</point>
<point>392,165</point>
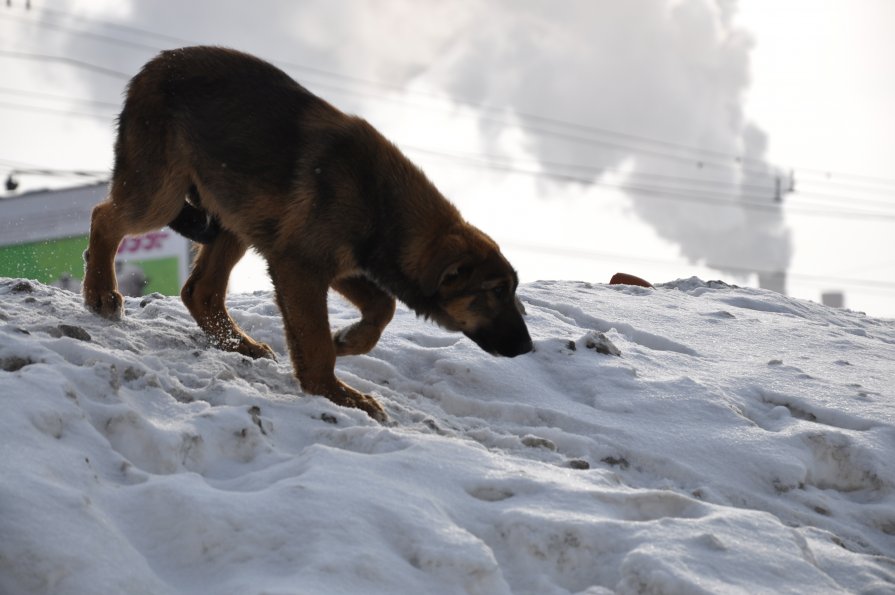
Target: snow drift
<point>693,438</point>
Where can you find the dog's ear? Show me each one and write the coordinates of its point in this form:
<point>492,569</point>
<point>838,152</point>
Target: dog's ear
<point>446,264</point>
<point>449,272</point>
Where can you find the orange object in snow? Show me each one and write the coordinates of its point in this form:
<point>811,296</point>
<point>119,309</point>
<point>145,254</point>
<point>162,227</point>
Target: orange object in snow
<point>626,279</point>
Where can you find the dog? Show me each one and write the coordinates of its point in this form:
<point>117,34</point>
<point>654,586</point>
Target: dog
<point>229,151</point>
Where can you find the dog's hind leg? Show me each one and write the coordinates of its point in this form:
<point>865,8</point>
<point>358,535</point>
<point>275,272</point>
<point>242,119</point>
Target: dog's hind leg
<point>301,296</point>
<point>124,212</point>
<point>376,307</point>
<point>205,290</point>
<point>100,288</point>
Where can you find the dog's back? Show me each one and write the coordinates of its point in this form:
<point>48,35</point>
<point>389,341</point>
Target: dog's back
<point>220,120</point>
<point>235,112</point>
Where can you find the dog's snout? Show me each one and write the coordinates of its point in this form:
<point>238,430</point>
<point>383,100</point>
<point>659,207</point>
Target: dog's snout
<point>507,336</point>
<point>518,348</point>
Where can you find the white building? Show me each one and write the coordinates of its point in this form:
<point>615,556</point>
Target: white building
<point>43,235</point>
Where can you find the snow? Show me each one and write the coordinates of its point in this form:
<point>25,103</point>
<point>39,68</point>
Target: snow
<point>740,442</point>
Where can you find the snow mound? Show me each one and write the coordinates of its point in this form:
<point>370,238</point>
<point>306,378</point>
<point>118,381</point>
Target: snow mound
<point>693,438</point>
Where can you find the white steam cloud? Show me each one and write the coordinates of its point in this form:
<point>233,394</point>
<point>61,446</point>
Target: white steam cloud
<point>641,83</point>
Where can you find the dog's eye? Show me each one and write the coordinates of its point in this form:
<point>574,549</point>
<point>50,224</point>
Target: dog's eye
<point>500,291</point>
<point>450,277</point>
<point>454,276</point>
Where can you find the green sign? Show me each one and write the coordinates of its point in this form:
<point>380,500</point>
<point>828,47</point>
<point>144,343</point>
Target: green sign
<point>61,262</point>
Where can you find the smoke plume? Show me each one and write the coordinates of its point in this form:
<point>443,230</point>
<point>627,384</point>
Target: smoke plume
<point>645,93</point>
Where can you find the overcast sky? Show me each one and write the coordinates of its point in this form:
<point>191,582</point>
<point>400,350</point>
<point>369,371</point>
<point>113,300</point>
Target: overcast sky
<point>647,136</point>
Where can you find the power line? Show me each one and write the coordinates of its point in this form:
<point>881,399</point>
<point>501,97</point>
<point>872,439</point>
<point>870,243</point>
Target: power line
<point>829,175</point>
<point>682,194</point>
<point>82,33</point>
<point>574,138</point>
<point>24,168</point>
<point>730,160</point>
<point>737,162</point>
<point>664,193</point>
<point>30,168</point>
<point>60,172</point>
<point>54,97</point>
<point>733,164</point>
<point>112,25</point>
<point>11,163</point>
<point>866,187</point>
<point>65,60</point>
<point>830,197</point>
<point>504,166</point>
<point>681,182</point>
<point>635,177</point>
<point>594,171</point>
<point>54,111</point>
<point>602,170</point>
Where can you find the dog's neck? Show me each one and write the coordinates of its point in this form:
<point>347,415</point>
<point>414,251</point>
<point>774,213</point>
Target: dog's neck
<point>405,264</point>
<point>406,201</point>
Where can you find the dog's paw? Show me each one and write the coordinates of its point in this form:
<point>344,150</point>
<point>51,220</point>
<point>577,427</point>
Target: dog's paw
<point>255,350</point>
<point>344,395</point>
<point>356,339</point>
<point>372,407</point>
<point>108,304</point>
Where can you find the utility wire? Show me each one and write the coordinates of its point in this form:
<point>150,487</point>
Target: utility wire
<point>24,168</point>
<point>530,122</point>
<point>58,112</point>
<point>679,193</point>
<point>679,183</point>
<point>728,159</point>
<point>600,171</point>
<point>867,187</point>
<point>484,160</point>
<point>53,13</point>
<point>830,177</point>
<point>665,193</point>
<point>581,139</point>
<point>60,173</point>
<point>865,179</point>
<point>487,113</point>
<point>54,97</point>
<point>594,171</point>
<point>31,168</point>
<point>82,33</point>
<point>549,132</point>
<point>748,202</point>
<point>492,114</point>
<point>65,60</point>
<point>799,194</point>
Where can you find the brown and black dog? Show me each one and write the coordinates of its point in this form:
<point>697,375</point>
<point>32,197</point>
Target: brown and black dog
<point>231,152</point>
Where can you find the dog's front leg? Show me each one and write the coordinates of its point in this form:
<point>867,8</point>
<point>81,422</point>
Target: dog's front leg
<point>301,296</point>
<point>205,291</point>
<point>376,308</point>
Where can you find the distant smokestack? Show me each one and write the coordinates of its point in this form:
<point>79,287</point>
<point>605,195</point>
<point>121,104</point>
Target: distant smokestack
<point>773,281</point>
<point>833,299</point>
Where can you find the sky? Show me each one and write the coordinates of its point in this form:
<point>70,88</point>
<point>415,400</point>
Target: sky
<point>648,136</point>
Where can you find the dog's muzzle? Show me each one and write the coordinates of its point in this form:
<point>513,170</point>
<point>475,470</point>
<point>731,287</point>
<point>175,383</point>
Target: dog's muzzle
<point>507,335</point>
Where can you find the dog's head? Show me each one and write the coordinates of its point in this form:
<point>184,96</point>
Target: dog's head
<point>473,288</point>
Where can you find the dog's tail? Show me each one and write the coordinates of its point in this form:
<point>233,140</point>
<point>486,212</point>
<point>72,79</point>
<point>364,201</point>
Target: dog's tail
<point>193,222</point>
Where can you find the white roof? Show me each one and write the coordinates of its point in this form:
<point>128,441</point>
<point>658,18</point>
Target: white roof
<point>48,214</point>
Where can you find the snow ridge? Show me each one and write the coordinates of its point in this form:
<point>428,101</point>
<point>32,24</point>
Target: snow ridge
<point>733,441</point>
